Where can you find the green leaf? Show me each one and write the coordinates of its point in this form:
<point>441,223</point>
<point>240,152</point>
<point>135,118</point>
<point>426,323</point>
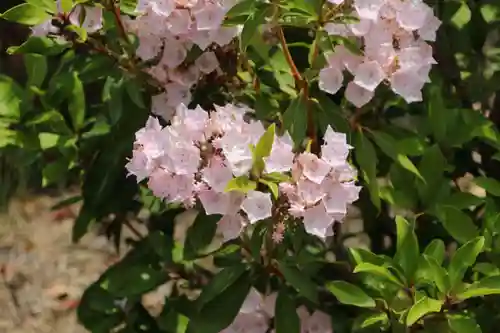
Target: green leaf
<point>200,234</point>
<point>430,271</point>
<point>366,157</point>
<point>252,25</point>
<point>26,14</point>
<point>350,294</point>
<point>129,280</point>
<point>36,68</point>
<point>388,145</point>
<point>241,184</point>
<point>436,250</point>
<point>48,5</point>
<point>367,320</point>
<point>376,270</point>
<point>407,251</point>
<point>295,119</point>
<point>464,258</point>
<point>329,113</point>
<point>67,5</point>
<point>76,102</point>
<point>458,224</point>
<point>488,286</point>
<point>273,187</point>
<point>437,112</point>
<point>40,45</point>
<point>10,98</point>
<point>463,324</point>
<point>48,140</point>
<point>54,172</point>
<point>265,144</point>
<point>220,312</point>
<point>424,306</point>
<point>431,167</point>
<point>301,282</point>
<point>492,186</point>
<point>220,282</point>
<point>286,319</point>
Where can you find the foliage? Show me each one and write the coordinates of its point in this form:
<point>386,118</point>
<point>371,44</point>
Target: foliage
<point>86,95</point>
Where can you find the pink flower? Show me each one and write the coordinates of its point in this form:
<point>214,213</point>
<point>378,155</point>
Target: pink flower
<point>330,79</point>
<point>357,95</point>
<point>313,168</point>
<point>230,226</point>
<point>369,75</point>
<point>257,206</point>
<point>281,157</point>
<point>317,221</point>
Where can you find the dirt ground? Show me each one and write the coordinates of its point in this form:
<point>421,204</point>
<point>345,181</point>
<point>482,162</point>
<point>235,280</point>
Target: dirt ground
<point>42,273</point>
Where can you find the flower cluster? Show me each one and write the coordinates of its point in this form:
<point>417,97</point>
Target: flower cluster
<point>392,35</point>
<point>257,311</point>
<point>167,31</point>
<point>199,154</point>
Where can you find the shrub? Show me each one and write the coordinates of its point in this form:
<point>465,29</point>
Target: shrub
<point>270,119</point>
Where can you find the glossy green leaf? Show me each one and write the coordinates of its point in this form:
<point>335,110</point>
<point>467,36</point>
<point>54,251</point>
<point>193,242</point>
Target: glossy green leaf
<point>350,294</point>
<point>488,286</point>
<point>423,306</point>
<point>200,234</point>
<point>376,270</point>
<point>371,320</point>
<point>26,14</point>
<point>36,68</point>
<point>40,45</point>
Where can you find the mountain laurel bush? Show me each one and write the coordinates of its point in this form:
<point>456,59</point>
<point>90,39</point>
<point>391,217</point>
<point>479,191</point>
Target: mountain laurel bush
<point>274,121</point>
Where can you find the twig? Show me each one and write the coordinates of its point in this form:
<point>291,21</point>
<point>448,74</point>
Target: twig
<point>133,229</point>
<point>119,23</point>
<point>299,81</point>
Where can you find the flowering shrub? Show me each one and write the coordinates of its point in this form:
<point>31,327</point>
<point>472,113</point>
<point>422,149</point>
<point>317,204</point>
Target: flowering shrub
<point>275,121</point>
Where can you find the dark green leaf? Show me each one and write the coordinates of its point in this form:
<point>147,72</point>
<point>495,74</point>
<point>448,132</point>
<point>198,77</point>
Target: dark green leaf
<point>220,312</point>
<point>252,25</point>
<point>219,283</point>
<point>350,294</point>
<point>407,252</point>
<point>200,235</point>
<point>458,224</point>
<point>36,68</point>
<point>295,119</point>
<point>492,186</point>
<point>389,146</point>
<point>286,319</point>
<point>367,160</point>
<point>463,324</point>
<point>464,258</point>
<point>301,282</point>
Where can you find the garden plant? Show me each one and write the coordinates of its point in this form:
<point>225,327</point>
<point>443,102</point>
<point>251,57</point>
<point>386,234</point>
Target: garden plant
<point>274,121</point>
